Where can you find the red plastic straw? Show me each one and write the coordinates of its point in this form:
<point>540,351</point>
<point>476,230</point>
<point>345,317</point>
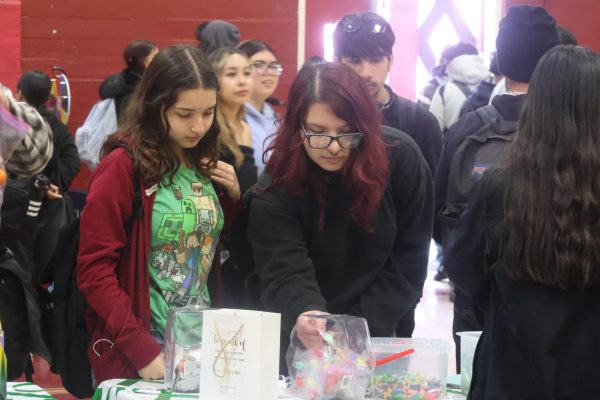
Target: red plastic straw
<point>394,357</point>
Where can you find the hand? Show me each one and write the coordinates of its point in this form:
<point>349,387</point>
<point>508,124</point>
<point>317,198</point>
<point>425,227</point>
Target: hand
<point>309,329</point>
<point>224,175</point>
<point>53,193</point>
<point>154,370</point>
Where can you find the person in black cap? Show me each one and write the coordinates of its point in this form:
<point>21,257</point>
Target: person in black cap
<point>525,34</point>
<point>364,42</point>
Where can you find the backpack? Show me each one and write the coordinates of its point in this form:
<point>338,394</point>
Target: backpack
<point>65,308</point>
<point>89,138</point>
<point>484,148</point>
<point>463,87</point>
<point>479,98</point>
<point>17,337</point>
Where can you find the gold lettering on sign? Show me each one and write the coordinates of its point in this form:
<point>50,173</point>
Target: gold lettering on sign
<point>234,341</point>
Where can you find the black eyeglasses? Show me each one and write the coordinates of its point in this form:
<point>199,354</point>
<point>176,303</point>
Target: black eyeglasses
<point>355,24</point>
<point>320,141</point>
<point>273,67</point>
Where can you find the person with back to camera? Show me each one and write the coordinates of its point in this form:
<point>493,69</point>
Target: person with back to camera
<point>34,88</point>
<point>132,268</point>
<point>33,244</point>
<point>260,116</point>
<point>137,56</point>
<point>525,34</point>
<point>527,249</point>
<point>466,70</point>
<point>364,42</point>
<point>341,220</point>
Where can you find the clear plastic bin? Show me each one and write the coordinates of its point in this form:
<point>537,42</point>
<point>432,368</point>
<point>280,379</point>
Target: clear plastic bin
<point>468,343</point>
<point>182,348</point>
<point>422,374</point>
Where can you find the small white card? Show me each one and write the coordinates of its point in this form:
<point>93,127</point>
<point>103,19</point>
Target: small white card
<point>240,355</point>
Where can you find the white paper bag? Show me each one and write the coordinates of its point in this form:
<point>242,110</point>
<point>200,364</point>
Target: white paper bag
<point>240,355</point>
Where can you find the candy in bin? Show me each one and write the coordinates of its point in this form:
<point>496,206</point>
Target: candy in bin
<point>339,366</point>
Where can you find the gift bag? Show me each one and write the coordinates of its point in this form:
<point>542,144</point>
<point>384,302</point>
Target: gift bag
<point>240,355</point>
<point>183,343</point>
<point>340,367</point>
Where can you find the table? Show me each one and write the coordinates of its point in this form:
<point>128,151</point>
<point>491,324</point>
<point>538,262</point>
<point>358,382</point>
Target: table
<point>26,390</point>
<point>136,389</point>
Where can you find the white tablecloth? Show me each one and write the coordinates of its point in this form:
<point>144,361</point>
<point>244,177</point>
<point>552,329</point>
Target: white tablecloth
<point>133,389</point>
<point>25,390</point>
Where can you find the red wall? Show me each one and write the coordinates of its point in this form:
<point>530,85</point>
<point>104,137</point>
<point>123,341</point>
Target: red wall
<point>87,38</point>
<point>10,42</point>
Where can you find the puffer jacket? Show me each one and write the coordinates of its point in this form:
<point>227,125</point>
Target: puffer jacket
<point>449,97</point>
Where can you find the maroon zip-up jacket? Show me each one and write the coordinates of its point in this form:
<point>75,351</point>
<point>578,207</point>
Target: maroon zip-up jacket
<point>113,270</point>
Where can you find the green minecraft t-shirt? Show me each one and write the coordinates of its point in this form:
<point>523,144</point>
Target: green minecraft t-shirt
<point>186,222</point>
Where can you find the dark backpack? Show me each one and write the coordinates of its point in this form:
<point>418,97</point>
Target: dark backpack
<point>484,148</point>
<point>15,316</point>
<point>65,308</point>
<point>479,98</point>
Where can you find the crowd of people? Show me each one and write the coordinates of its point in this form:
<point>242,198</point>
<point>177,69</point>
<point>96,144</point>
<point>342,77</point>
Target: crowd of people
<point>206,196</point>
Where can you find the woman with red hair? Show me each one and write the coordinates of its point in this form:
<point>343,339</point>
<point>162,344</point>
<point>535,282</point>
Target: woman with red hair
<point>341,222</point>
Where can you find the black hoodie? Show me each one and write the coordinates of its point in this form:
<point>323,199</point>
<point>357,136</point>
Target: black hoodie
<point>337,266</point>
<point>120,87</point>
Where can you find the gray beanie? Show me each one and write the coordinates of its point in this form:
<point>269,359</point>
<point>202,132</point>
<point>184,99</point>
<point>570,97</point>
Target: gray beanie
<point>217,34</point>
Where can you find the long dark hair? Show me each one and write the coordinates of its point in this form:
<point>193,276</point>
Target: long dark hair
<point>145,126</point>
<point>135,54</point>
<point>253,46</point>
<point>552,202</point>
<point>366,173</point>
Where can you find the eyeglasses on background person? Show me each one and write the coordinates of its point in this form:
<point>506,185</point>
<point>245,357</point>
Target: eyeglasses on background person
<point>321,141</point>
<point>273,67</point>
<point>351,24</point>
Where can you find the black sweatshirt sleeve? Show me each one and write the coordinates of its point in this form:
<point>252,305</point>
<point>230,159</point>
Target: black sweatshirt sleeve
<point>399,285</point>
<point>246,173</point>
<point>281,259</point>
<point>428,137</point>
<point>68,156</point>
<point>474,245</point>
<point>457,133</point>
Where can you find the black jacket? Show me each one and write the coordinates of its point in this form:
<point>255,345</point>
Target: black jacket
<point>120,87</point>
<point>418,123</point>
<point>65,163</point>
<point>539,342</point>
<point>339,267</point>
<point>246,172</point>
<point>509,107</point>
